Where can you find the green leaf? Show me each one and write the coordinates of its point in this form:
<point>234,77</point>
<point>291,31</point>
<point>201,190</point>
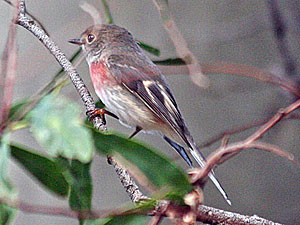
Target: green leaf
<point>135,214</point>
<point>57,126</point>
<point>107,12</point>
<point>148,48</point>
<point>170,62</point>
<point>7,191</point>
<point>7,214</point>
<point>16,107</point>
<point>42,168</point>
<point>99,104</point>
<point>159,171</point>
<point>81,188</point>
<point>78,176</point>
<point>124,220</point>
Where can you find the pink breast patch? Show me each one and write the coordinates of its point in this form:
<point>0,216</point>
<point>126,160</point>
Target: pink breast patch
<point>99,74</point>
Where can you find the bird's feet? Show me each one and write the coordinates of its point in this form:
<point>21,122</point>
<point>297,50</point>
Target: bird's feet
<point>100,112</point>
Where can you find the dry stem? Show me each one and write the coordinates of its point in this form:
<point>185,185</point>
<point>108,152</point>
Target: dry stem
<point>225,152</point>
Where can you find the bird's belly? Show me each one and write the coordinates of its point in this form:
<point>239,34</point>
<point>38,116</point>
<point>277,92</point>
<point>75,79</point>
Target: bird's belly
<point>130,110</point>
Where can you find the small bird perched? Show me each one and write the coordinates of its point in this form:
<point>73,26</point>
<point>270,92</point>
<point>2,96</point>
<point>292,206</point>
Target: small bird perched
<point>134,90</point>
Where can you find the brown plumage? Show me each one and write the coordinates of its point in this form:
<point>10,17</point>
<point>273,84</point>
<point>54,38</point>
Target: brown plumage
<point>132,87</point>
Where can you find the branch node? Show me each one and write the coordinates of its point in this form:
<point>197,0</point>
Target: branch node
<point>31,22</point>
<point>22,8</point>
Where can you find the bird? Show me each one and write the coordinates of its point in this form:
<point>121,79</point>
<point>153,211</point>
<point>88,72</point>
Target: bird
<point>135,91</point>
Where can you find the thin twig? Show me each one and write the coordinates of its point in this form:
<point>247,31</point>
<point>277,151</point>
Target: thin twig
<point>239,70</point>
<point>229,132</point>
<point>217,216</point>
<point>275,119</point>
<point>223,154</point>
<point>8,72</point>
<point>156,220</point>
<point>92,11</point>
<point>128,183</point>
<point>32,16</point>
<point>205,214</point>
<point>180,44</point>
<point>45,210</point>
<point>279,31</point>
<point>197,175</point>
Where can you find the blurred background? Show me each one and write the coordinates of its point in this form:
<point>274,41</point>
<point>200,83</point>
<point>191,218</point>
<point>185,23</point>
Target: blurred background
<point>220,30</point>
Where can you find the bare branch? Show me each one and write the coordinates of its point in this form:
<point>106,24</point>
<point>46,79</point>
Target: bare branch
<point>242,128</point>
<point>62,60</point>
<point>204,213</point>
<point>275,119</point>
<point>225,152</point>
<point>44,210</point>
<point>8,72</point>
<point>29,14</point>
<point>92,11</point>
<point>239,70</point>
<point>180,44</point>
<point>156,220</point>
<point>128,183</point>
<point>274,149</point>
<point>218,216</point>
<point>279,31</point>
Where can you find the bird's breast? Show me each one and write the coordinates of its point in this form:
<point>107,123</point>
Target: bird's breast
<point>100,75</point>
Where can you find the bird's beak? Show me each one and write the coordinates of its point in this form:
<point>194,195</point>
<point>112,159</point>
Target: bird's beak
<point>76,41</point>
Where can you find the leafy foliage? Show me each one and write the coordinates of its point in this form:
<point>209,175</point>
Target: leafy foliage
<point>79,179</point>
<point>7,190</point>
<point>81,189</point>
<point>148,48</point>
<point>149,162</point>
<point>170,62</point>
<point>44,169</point>
<point>56,125</point>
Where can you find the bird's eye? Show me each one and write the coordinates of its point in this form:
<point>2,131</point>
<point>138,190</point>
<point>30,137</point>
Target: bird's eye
<point>90,38</point>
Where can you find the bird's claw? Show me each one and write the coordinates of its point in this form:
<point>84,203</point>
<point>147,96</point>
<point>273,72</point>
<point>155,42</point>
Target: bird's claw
<point>99,112</point>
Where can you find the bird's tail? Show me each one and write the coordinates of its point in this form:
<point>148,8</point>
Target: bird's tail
<point>201,161</point>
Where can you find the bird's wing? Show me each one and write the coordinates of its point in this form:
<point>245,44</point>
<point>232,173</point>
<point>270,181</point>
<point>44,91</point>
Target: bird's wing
<point>143,79</point>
